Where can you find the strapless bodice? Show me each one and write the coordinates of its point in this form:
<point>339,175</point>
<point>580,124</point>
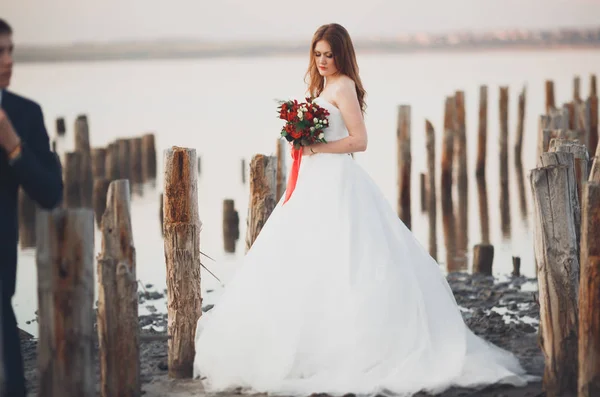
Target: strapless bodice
<point>337,128</point>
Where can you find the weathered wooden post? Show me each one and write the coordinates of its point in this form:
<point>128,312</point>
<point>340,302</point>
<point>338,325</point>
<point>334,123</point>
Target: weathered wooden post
<point>82,146</point>
<point>483,259</point>
<point>124,156</point>
<point>182,253</point>
<point>111,165</point>
<point>589,294</point>
<point>484,217</point>
<point>549,96</point>
<point>460,166</point>
<point>281,171</point>
<point>576,88</point>
<point>448,220</point>
<point>593,126</point>
<point>101,186</point>
<point>482,132</point>
<point>118,329</point>
<point>503,143</point>
<point>60,126</point>
<point>557,263</point>
<point>423,190</point>
<point>263,188</point>
<point>595,170</point>
<point>27,211</point>
<point>65,268</point>
<point>404,164</point>
<point>98,162</point>
<point>161,213</point>
<point>72,180</point>
<point>135,145</point>
<point>148,157</point>
<point>431,191</point>
<point>581,159</point>
<point>520,124</point>
<point>543,138</point>
<point>231,231</point>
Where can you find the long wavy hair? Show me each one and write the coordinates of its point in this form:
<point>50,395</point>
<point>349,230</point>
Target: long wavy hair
<point>344,56</point>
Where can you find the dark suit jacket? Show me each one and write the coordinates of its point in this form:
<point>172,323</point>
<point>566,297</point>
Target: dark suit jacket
<point>38,171</point>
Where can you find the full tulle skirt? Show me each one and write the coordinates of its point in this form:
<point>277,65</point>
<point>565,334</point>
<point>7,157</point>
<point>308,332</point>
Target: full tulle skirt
<point>337,296</point>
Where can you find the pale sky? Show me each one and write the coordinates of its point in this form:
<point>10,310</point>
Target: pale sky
<point>68,21</point>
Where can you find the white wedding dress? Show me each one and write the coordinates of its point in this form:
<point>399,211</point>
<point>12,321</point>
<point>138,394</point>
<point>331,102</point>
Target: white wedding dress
<point>337,296</point>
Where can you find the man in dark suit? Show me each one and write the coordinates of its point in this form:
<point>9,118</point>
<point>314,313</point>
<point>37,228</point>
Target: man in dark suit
<point>27,161</point>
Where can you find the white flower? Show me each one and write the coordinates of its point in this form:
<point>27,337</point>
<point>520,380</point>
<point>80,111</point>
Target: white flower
<point>325,121</point>
<point>312,129</point>
<point>316,120</point>
<point>321,135</point>
<point>300,115</point>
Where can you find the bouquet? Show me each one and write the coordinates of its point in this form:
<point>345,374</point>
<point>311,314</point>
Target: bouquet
<point>304,126</point>
<point>305,122</point>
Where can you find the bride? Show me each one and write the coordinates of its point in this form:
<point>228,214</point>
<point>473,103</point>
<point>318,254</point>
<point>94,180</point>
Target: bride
<point>336,295</point>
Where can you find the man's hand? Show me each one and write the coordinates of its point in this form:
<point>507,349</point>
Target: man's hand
<point>9,139</point>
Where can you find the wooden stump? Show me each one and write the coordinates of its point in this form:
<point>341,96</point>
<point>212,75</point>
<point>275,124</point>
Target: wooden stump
<point>100,193</point>
<point>589,294</point>
<point>543,139</point>
<point>549,96</point>
<point>182,253</point>
<point>447,150</point>
<point>431,191</point>
<point>581,159</point>
<point>98,163</point>
<point>482,132</point>
<point>404,164</point>
<point>483,259</point>
<point>231,231</point>
<point>27,214</point>
<point>516,261</point>
<point>263,187</point>
<point>557,263</point>
<point>124,150</point>
<point>65,268</point>
<point>118,329</point>
<point>72,180</point>
<point>461,163</point>
<point>148,157</point>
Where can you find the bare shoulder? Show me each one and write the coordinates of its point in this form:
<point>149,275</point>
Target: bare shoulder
<point>345,86</point>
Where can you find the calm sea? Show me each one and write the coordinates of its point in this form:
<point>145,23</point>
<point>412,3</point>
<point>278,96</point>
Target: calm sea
<point>225,109</point>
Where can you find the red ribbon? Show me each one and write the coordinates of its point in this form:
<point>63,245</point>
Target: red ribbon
<point>291,185</point>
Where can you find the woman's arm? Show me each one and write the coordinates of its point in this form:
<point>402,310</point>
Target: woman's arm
<point>347,103</point>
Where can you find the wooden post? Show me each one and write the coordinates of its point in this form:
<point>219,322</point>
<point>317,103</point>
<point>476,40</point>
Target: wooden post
<point>124,150</point>
<point>460,144</point>
<point>244,171</point>
<point>118,329</point>
<point>549,96</point>
<point>231,231</point>
<point>557,262</point>
<point>482,132</point>
<point>98,163</point>
<point>161,213</point>
<point>593,85</point>
<point>595,170</point>
<point>263,187</point>
<point>483,259</point>
<point>543,136</point>
<point>576,89</point>
<point>447,149</point>
<point>111,165</point>
<point>148,157</point>
<point>404,164</point>
<point>580,155</point>
<point>281,171</point>
<point>100,193</point>
<point>182,253</point>
<point>593,123</point>
<point>589,294</point>
<point>516,261</point>
<point>60,126</point>
<point>27,214</point>
<point>503,143</point>
<point>484,217</point>
<point>135,145</point>
<point>65,268</point>
<point>431,191</point>
<point>72,180</point>
<point>567,159</point>
<point>82,145</point>
<point>520,124</point>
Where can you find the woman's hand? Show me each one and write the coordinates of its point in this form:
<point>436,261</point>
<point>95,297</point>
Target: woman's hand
<point>309,150</point>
